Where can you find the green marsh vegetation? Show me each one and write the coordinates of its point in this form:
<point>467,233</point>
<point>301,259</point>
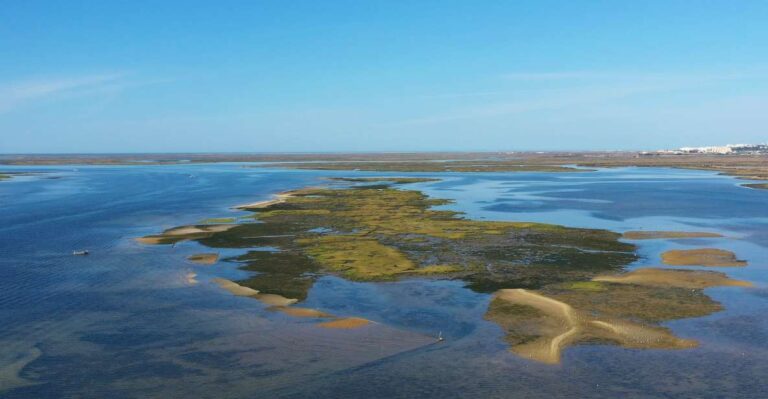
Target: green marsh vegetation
<point>380,233</point>
<point>545,278</point>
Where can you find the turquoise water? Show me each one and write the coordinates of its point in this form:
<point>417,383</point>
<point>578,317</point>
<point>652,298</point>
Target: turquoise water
<point>126,321</point>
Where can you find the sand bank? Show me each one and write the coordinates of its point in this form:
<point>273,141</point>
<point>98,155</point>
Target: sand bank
<point>346,323</point>
<point>693,279</point>
<point>540,328</point>
<point>204,259</point>
<point>711,257</point>
<point>275,300</point>
<point>235,288</point>
<point>650,235</point>
<point>302,312</point>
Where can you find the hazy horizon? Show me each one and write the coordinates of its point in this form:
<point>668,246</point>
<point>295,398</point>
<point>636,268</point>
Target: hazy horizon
<point>308,77</point>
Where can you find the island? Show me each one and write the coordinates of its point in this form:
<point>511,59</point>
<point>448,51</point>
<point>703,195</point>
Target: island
<point>552,286</point>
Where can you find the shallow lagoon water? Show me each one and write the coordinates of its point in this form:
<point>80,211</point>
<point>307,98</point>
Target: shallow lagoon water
<point>125,322</point>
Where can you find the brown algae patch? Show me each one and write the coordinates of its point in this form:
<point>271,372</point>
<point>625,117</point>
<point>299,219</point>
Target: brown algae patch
<point>693,279</point>
<point>348,323</point>
<point>711,257</point>
<point>650,235</point>
<point>204,259</point>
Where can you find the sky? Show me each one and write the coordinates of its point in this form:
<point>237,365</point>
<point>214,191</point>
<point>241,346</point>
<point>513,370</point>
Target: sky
<point>325,76</point>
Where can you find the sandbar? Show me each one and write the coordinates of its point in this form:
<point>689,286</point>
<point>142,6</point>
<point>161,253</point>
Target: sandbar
<point>711,257</point>
<point>302,312</point>
<point>204,259</point>
<point>235,288</point>
<point>540,328</point>
<point>183,233</point>
<point>275,300</point>
<point>346,323</point>
<point>693,279</point>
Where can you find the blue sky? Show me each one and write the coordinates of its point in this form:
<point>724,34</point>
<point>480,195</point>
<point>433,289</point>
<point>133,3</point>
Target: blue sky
<point>257,76</point>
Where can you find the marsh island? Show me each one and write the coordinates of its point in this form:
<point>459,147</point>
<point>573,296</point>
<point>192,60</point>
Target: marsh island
<point>552,286</point>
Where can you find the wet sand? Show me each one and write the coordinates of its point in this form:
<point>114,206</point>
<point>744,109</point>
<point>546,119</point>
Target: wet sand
<point>711,257</point>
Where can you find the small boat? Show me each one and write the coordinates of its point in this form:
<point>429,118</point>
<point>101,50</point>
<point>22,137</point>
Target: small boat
<point>81,252</point>
<point>440,337</point>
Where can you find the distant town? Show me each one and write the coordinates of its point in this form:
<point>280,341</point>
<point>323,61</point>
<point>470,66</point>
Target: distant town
<point>729,149</point>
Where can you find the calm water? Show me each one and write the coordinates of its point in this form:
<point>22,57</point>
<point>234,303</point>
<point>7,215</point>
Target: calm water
<point>125,322</point>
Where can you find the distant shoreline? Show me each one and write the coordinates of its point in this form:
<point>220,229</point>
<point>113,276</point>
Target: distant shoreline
<point>748,167</point>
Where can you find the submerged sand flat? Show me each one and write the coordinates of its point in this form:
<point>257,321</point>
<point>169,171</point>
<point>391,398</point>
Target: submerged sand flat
<point>204,259</point>
<point>10,373</point>
<point>650,235</point>
<point>540,328</point>
<point>302,312</point>
<point>192,278</point>
<point>693,279</point>
<point>346,323</point>
<point>712,257</point>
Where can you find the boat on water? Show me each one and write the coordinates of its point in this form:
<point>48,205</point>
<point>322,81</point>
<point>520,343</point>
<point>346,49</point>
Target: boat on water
<point>81,252</point>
